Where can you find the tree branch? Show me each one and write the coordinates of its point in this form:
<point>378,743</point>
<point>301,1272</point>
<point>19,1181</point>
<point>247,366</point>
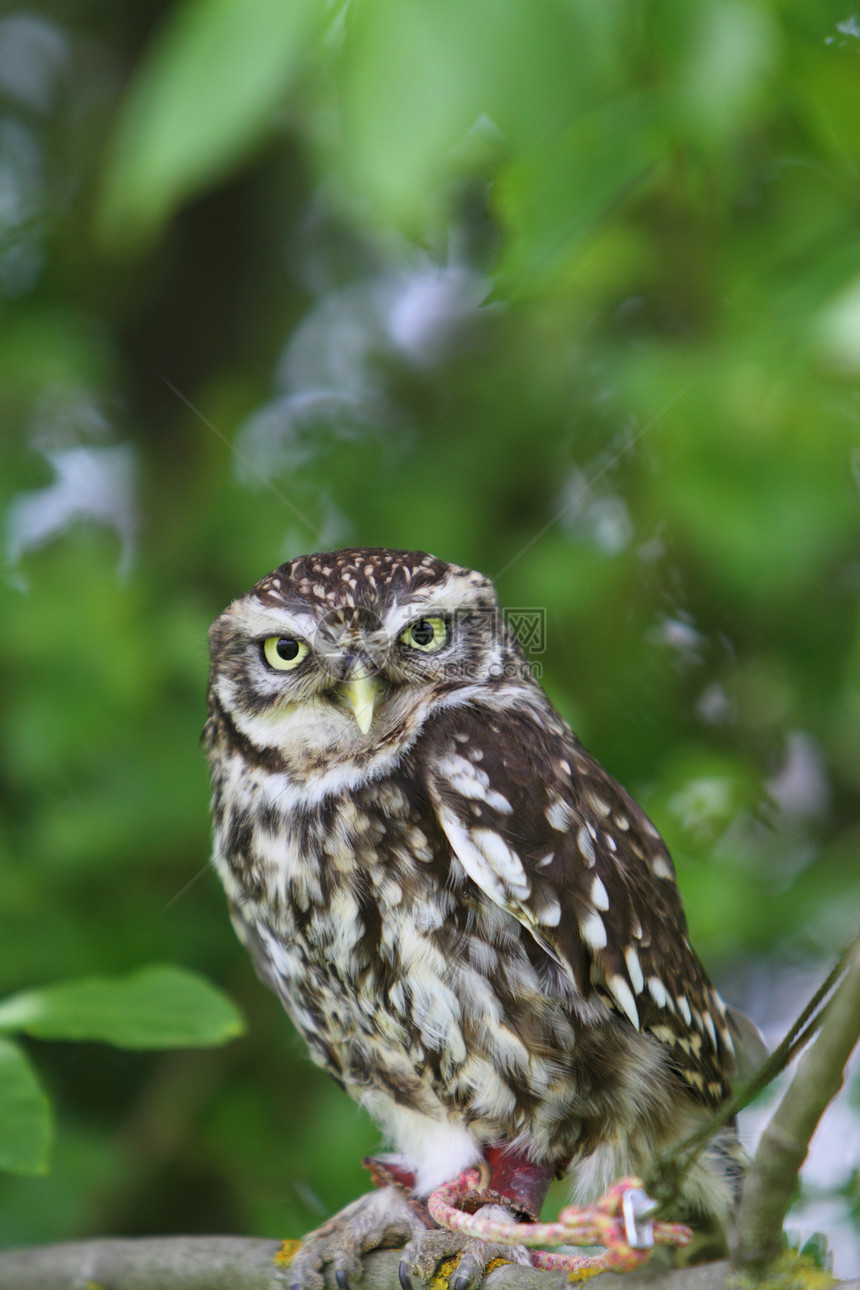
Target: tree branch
<point>772,1180</point>
<point>233,1263</point>
<point>236,1263</point>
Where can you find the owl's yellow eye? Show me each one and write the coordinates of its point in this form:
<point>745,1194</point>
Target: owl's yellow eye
<point>283,653</point>
<point>426,634</point>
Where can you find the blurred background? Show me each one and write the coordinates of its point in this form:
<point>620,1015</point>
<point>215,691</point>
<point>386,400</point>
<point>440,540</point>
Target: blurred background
<point>568,292</point>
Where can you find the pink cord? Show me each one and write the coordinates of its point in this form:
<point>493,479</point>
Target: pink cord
<point>610,1222</point>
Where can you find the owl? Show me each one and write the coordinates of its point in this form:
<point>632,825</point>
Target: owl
<point>474,928</point>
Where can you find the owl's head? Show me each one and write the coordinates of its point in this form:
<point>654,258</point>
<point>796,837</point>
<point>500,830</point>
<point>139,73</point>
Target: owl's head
<point>334,654</point>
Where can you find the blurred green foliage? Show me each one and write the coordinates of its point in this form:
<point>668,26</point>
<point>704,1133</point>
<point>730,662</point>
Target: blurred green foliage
<point>157,1007</point>
<point>566,291</point>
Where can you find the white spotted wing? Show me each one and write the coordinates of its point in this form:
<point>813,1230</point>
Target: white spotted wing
<point>543,831</point>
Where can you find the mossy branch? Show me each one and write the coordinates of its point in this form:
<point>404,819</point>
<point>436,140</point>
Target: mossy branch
<point>231,1263</point>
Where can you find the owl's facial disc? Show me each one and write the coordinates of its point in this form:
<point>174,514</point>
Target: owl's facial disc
<point>326,669</point>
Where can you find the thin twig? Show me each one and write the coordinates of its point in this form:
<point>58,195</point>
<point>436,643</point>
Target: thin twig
<point>772,1180</point>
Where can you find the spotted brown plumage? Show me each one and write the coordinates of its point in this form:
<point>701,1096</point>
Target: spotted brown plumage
<point>476,930</point>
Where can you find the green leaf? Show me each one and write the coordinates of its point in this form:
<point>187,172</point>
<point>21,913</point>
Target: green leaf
<point>411,91</point>
<point>553,198</point>
<point>25,1114</point>
<point>731,55</point>
<point>157,1007</point>
<point>204,97</point>
<point>431,89</point>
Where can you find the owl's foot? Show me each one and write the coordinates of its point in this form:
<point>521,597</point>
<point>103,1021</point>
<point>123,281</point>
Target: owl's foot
<point>428,1249</point>
<point>513,1190</point>
<point>381,1220</point>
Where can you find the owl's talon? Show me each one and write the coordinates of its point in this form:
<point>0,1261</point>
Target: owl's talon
<point>403,1276</point>
<point>424,1254</point>
<point>380,1219</point>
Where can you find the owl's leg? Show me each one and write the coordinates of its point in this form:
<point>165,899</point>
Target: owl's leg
<point>381,1220</point>
<point>516,1179</point>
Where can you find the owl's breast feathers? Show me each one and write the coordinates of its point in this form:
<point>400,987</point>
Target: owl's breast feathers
<point>491,930</point>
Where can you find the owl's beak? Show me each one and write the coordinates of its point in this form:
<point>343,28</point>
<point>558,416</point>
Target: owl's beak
<point>361,692</point>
